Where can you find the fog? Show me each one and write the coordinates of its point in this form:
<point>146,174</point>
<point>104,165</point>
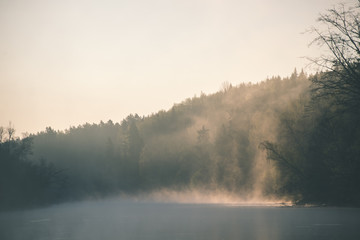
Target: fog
<point>251,143</point>
<point>220,197</point>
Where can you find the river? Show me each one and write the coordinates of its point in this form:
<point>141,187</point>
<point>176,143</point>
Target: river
<point>117,220</point>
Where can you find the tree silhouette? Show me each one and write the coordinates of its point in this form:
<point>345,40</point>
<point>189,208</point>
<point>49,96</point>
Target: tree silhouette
<point>341,37</point>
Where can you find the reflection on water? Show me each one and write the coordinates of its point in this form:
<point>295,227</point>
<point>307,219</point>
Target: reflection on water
<point>135,220</point>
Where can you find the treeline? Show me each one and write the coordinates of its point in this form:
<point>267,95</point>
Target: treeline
<point>214,142</point>
<point>24,183</point>
<point>208,142</point>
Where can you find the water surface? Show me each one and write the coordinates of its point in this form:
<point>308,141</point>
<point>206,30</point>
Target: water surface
<point>110,220</point>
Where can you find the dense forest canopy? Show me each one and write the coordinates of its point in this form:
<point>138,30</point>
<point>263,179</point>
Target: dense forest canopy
<point>208,142</point>
<point>296,137</point>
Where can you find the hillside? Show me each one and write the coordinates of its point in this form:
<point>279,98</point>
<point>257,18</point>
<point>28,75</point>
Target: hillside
<point>269,140</point>
<point>208,142</point>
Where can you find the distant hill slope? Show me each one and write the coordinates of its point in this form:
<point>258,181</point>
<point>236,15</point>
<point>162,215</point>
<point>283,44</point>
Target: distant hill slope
<point>262,141</point>
<point>208,142</point>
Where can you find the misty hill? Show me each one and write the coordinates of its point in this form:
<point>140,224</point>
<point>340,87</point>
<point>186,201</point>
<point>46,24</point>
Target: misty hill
<point>209,142</point>
<point>271,139</point>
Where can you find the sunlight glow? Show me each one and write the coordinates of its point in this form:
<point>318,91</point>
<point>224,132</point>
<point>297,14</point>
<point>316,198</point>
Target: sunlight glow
<point>223,198</point>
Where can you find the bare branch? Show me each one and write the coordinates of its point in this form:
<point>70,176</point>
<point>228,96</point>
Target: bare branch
<point>341,38</point>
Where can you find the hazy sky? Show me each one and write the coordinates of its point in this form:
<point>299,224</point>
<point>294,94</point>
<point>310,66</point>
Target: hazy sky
<point>64,63</point>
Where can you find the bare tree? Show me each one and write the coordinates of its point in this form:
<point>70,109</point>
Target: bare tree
<point>10,131</point>
<point>340,34</point>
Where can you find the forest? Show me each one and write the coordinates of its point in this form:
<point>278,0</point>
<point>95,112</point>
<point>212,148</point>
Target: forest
<point>295,138</point>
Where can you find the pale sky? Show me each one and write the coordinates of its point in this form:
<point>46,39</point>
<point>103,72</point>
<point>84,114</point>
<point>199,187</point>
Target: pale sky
<point>65,63</point>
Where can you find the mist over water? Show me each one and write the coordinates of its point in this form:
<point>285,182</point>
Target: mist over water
<point>131,219</point>
<point>216,197</point>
